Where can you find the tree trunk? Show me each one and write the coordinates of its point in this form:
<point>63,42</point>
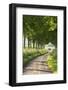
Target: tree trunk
<point>24,42</point>
<point>33,44</point>
<point>28,43</point>
<point>36,45</point>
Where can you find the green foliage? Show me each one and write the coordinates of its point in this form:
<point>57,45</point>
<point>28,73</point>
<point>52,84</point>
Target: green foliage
<point>52,61</point>
<point>41,29</point>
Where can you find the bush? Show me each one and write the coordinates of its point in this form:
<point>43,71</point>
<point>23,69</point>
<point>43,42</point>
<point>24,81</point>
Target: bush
<point>52,61</point>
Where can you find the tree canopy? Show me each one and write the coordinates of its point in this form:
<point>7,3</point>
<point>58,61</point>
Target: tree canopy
<point>40,29</point>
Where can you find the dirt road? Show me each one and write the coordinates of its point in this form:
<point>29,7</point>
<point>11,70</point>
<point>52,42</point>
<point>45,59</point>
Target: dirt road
<point>37,66</point>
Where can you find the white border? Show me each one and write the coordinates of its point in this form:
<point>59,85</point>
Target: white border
<point>44,77</point>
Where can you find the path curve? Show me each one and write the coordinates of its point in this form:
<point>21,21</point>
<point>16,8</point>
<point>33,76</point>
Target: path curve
<point>37,66</point>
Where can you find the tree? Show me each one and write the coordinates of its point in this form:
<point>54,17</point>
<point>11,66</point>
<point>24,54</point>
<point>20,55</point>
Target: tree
<point>40,30</point>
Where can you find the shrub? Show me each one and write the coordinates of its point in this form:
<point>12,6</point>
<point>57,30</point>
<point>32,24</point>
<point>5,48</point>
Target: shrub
<point>52,61</point>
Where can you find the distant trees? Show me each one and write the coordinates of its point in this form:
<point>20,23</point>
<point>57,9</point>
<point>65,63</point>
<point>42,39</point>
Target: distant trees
<point>39,30</point>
